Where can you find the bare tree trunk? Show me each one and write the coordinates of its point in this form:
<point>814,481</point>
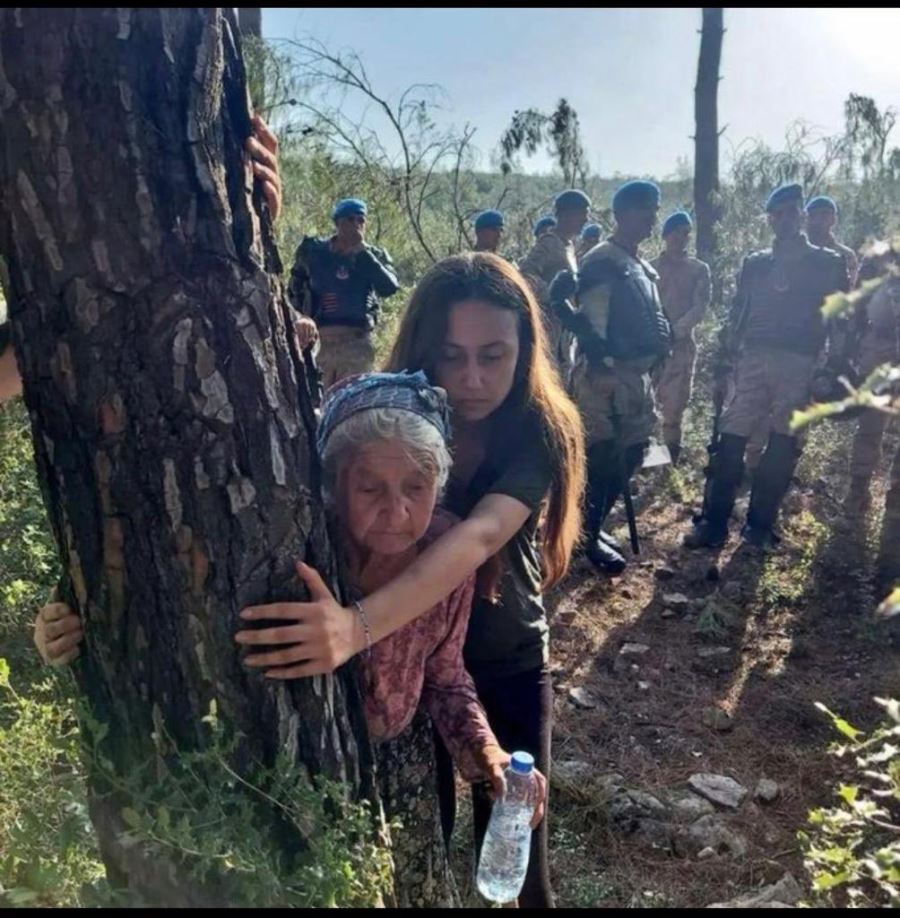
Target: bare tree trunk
<point>250,19</point>
<point>706,137</point>
<point>172,423</point>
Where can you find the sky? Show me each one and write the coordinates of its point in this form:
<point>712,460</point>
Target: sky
<point>628,72</point>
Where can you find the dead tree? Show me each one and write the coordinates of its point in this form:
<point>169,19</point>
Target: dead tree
<point>706,137</point>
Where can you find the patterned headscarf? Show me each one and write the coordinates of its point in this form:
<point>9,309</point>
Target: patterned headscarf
<point>404,391</point>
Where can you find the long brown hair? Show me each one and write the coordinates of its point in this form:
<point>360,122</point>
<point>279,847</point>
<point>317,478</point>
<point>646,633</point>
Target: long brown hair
<point>536,387</point>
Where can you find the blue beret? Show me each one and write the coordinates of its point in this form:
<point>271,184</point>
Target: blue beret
<point>636,195</point>
<point>571,200</point>
<point>785,193</point>
<point>591,231</point>
<point>489,219</point>
<point>349,207</point>
<point>543,223</point>
<point>673,221</point>
<point>822,201</point>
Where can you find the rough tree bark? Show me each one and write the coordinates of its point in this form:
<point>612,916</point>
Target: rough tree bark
<point>172,422</point>
<point>706,136</point>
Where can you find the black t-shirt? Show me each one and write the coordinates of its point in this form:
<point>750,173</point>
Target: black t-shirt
<point>510,635</point>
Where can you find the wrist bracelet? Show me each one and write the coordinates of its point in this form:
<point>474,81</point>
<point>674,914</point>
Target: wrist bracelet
<point>365,622</point>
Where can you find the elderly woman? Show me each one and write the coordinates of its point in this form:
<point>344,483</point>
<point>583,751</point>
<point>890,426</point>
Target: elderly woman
<point>383,444</point>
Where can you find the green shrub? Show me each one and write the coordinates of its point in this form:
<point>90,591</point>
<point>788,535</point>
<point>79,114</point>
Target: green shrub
<point>852,849</point>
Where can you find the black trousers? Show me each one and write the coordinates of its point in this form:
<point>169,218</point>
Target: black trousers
<point>520,712</point>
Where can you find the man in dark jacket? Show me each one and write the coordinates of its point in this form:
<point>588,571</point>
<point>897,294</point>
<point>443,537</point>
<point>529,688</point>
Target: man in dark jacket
<point>775,337</point>
<point>335,284</point>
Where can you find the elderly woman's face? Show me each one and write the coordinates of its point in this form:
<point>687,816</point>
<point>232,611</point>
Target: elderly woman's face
<point>388,498</point>
<point>477,366</point>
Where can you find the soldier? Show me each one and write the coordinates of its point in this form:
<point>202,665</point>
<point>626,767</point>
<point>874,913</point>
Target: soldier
<point>590,236</point>
<point>821,219</point>
<point>488,231</point>
<point>879,343</point>
<point>622,334</point>
<point>544,225</point>
<point>775,334</point>
<point>335,284</point>
<point>684,289</point>
<point>552,252</point>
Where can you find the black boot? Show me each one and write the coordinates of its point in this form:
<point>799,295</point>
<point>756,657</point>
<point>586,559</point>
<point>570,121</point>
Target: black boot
<point>603,473</point>
<point>605,558</point>
<point>726,468</point>
<point>770,484</point>
<point>609,540</point>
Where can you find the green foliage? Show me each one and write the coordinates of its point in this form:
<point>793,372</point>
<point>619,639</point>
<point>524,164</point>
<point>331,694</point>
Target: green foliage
<point>193,808</point>
<point>28,563</point>
<point>715,619</point>
<point>852,849</point>
<point>48,852</point>
<point>785,577</point>
<point>559,130</point>
<point>193,805</point>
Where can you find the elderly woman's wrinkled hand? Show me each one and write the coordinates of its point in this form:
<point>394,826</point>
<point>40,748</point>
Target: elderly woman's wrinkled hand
<point>494,762</point>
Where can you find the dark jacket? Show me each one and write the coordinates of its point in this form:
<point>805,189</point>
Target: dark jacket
<point>337,289</point>
<point>778,302</point>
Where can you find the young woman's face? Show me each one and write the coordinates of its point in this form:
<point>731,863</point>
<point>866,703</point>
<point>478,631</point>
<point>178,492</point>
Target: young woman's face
<point>477,364</point>
<point>388,498</point>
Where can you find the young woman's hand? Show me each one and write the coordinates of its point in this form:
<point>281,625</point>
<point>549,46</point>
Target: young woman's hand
<point>322,634</point>
<point>57,634</point>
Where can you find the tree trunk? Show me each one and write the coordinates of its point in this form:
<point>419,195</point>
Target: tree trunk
<point>250,19</point>
<point>172,421</point>
<point>706,137</point>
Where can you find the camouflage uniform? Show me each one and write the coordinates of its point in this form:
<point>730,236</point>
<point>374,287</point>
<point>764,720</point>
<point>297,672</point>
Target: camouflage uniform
<point>343,351</point>
<point>684,289</point>
<point>758,439</point>
<point>880,343</point>
<point>340,293</point>
<point>777,323</point>
<point>549,255</point>
<point>622,333</point>
<point>851,260</point>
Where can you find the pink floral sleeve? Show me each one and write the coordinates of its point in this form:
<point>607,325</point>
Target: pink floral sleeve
<point>449,692</point>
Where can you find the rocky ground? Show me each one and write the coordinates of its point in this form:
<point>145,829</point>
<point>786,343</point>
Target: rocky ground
<point>687,747</point>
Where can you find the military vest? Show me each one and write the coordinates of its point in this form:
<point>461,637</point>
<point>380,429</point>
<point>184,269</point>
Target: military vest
<point>637,326</point>
<point>784,298</point>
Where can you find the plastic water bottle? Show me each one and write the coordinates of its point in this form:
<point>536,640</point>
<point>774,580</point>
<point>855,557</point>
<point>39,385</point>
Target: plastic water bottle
<point>507,843</point>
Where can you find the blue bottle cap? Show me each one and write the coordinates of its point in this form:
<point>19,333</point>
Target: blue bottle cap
<point>522,763</point>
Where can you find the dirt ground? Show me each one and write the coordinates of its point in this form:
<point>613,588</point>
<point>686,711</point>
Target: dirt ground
<point>793,628</point>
